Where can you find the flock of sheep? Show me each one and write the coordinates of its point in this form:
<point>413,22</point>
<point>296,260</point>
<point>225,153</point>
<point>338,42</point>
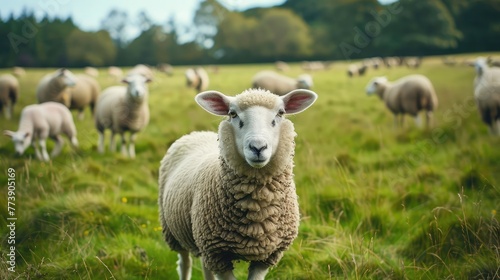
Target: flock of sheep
<point>224,196</point>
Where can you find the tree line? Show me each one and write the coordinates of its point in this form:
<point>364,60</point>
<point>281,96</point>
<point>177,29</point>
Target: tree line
<point>294,31</point>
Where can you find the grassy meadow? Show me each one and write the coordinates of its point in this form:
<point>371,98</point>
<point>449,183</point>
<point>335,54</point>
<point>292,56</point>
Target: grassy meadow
<point>376,202</point>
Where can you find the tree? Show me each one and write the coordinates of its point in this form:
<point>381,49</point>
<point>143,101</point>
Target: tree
<point>90,48</point>
<point>116,23</point>
<point>207,18</point>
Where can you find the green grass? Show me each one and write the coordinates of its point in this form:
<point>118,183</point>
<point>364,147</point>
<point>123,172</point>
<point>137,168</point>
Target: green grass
<point>376,203</point>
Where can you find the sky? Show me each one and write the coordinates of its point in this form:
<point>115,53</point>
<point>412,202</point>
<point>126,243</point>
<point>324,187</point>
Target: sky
<point>88,14</point>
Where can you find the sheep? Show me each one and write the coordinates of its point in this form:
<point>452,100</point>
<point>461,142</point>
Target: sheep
<point>115,72</point>
<point>83,94</point>
<point>9,93</point>
<point>123,109</point>
<point>281,66</point>
<point>40,121</point>
<point>56,87</point>
<point>91,71</point>
<point>165,68</point>
<point>408,95</point>
<point>413,62</point>
<point>449,61</point>
<point>197,78</point>
<point>279,84</point>
<point>18,71</point>
<point>142,69</point>
<point>230,195</point>
<point>493,61</point>
<point>355,70</point>
<point>487,94</point>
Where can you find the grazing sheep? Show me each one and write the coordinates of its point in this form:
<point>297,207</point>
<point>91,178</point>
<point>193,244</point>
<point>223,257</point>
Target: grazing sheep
<point>493,61</point>
<point>197,78</point>
<point>123,109</point>
<point>56,87</point>
<point>413,62</point>
<point>408,95</point>
<point>165,68</point>
<point>9,93</point>
<point>18,71</point>
<point>279,84</point>
<point>83,94</point>
<point>355,70</point>
<point>281,66</point>
<point>91,71</point>
<point>115,73</point>
<point>314,65</point>
<point>231,196</point>
<point>487,94</point>
<point>40,121</point>
<point>449,61</point>
<point>143,70</point>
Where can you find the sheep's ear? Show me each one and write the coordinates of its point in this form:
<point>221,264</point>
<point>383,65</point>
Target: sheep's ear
<point>298,100</point>
<point>214,102</point>
<point>126,80</point>
<point>26,135</point>
<point>61,72</point>
<point>9,133</point>
<point>148,80</point>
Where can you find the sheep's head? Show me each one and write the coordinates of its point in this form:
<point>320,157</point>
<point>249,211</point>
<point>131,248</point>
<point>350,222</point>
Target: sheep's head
<point>376,86</point>
<point>21,140</point>
<point>136,86</point>
<point>304,81</point>
<point>256,116</point>
<point>480,64</point>
<point>65,77</point>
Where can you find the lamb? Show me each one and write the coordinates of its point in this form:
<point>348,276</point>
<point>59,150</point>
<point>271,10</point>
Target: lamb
<point>9,93</point>
<point>142,69</point>
<point>408,95</point>
<point>56,87</point>
<point>281,66</point>
<point>280,84</point>
<point>197,78</point>
<point>40,121</point>
<point>84,93</point>
<point>487,94</point>
<point>231,196</point>
<point>123,109</point>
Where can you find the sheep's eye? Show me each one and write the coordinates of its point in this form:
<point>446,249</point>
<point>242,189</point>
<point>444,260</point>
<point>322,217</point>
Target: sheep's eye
<point>232,114</point>
<point>281,112</point>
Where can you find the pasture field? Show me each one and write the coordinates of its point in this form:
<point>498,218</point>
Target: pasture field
<point>376,202</point>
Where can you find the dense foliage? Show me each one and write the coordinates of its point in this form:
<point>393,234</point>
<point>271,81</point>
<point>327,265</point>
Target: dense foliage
<point>296,30</point>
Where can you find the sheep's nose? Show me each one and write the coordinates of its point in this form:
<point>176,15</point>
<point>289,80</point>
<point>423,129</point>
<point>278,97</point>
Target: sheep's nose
<point>257,148</point>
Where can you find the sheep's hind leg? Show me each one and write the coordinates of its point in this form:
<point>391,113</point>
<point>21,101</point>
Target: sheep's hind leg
<point>257,271</point>
<point>226,275</point>
<point>81,114</point>
<point>184,264</point>
<point>418,121</point>
<point>112,143</point>
<point>58,147</point>
<point>37,151</point>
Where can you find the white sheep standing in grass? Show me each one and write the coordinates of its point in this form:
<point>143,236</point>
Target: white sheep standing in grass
<point>142,69</point>
<point>408,95</point>
<point>487,94</point>
<point>280,84</point>
<point>91,71</point>
<point>231,196</point>
<point>56,87</point>
<point>9,93</point>
<point>39,122</point>
<point>122,109</point>
<point>197,78</point>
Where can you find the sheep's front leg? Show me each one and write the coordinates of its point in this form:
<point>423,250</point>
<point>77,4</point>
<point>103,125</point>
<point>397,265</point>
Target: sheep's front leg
<point>257,271</point>
<point>124,145</point>
<point>131,145</point>
<point>100,142</point>
<point>37,151</point>
<point>58,147</point>
<point>43,146</point>
<point>207,273</point>
<point>184,264</point>
<point>81,115</point>
<point>8,111</point>
<point>418,121</point>
<point>226,275</point>
<point>429,119</point>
